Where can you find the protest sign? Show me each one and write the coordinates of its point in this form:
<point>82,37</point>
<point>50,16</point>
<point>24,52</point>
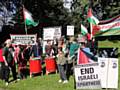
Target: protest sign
<point>23,39</point>
<point>109,72</point>
<point>87,76</point>
<point>51,33</point>
<point>70,30</point>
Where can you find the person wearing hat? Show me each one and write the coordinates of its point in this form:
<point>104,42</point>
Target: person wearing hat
<point>9,61</point>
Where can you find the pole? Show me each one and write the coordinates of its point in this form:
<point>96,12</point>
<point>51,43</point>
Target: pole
<point>90,6</point>
<point>24,20</point>
<point>25,27</point>
<point>91,36</point>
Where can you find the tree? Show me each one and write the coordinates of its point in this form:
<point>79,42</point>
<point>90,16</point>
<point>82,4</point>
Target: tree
<point>105,9</point>
<point>8,9</point>
<point>53,12</point>
<point>102,9</point>
<point>78,13</point>
<point>48,12</point>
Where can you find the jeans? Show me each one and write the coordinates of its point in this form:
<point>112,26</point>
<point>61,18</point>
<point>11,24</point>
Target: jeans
<point>61,69</point>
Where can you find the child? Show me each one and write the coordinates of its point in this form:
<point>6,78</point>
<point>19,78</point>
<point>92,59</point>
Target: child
<point>61,62</point>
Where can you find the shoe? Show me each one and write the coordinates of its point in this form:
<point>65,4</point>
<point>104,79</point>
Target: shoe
<point>65,81</point>
<point>6,83</point>
<point>60,81</point>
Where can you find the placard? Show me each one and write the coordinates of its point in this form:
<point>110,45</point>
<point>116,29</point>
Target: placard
<point>51,33</point>
<point>23,39</point>
<point>70,30</point>
<point>87,76</point>
<point>109,72</point>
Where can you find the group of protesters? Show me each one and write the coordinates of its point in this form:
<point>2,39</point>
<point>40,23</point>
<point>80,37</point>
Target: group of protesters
<point>10,56</point>
<point>64,51</point>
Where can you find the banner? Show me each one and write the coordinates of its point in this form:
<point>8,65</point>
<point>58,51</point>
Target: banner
<point>109,72</point>
<point>112,28</point>
<point>23,39</point>
<point>116,18</point>
<point>51,33</point>
<point>107,27</point>
<point>87,76</point>
<point>70,30</point>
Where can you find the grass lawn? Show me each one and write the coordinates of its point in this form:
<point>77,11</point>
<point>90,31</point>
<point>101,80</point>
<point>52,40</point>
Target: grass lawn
<point>45,82</point>
<point>49,82</point>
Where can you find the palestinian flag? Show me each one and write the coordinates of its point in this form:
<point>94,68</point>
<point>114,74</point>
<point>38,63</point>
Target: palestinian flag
<point>113,19</point>
<point>85,56</point>
<point>91,18</point>
<point>84,30</point>
<point>28,18</point>
<point>112,28</point>
<point>82,58</point>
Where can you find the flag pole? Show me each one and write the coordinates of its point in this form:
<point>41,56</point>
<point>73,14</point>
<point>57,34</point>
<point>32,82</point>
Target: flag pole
<point>90,6</point>
<point>91,29</point>
<point>24,21</point>
<point>25,28</point>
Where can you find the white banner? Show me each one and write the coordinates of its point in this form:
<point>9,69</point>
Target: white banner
<point>109,72</point>
<point>51,33</point>
<point>23,39</point>
<point>87,76</point>
<point>70,30</point>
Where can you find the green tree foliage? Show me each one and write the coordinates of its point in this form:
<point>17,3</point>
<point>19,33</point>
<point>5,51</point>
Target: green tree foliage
<point>79,10</point>
<point>102,9</point>
<point>48,12</point>
<point>105,9</point>
<point>53,13</point>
